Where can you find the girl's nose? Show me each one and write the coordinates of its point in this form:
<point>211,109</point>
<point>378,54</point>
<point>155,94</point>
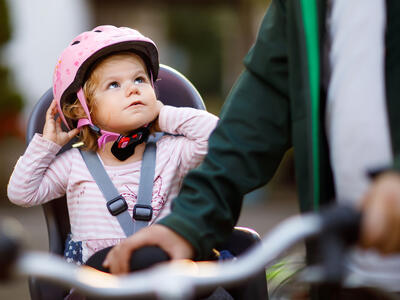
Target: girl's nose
<point>131,88</point>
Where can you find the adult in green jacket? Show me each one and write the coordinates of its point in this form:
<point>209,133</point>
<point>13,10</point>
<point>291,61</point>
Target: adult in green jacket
<point>277,103</point>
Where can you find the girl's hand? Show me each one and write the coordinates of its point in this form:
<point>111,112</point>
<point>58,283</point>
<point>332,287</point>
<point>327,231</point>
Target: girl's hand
<point>380,228</point>
<point>156,126</point>
<point>52,128</point>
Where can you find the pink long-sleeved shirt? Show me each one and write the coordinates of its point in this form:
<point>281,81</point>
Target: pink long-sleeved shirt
<point>40,176</point>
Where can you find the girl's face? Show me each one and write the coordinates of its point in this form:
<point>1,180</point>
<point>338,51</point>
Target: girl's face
<point>124,98</point>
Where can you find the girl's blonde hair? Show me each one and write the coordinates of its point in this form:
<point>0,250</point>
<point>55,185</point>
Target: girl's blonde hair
<point>74,111</point>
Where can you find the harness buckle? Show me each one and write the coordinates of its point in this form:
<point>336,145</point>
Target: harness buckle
<point>142,212</point>
<point>117,205</point>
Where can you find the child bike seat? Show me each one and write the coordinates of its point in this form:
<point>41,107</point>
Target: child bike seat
<point>172,88</point>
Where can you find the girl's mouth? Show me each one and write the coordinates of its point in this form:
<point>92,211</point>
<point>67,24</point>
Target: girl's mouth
<point>135,103</point>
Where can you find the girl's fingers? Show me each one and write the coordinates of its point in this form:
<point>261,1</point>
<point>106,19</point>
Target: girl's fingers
<point>60,132</point>
<point>72,133</point>
<point>54,103</point>
<point>52,110</point>
<point>58,125</point>
<point>62,137</point>
<point>49,112</point>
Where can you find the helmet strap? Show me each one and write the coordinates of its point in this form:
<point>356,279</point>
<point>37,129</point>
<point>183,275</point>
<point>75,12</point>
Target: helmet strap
<point>82,99</point>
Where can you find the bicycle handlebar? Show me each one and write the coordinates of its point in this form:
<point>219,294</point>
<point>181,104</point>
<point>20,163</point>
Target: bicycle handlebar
<point>180,279</point>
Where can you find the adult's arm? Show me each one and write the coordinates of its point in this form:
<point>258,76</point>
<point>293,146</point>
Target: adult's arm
<point>247,146</point>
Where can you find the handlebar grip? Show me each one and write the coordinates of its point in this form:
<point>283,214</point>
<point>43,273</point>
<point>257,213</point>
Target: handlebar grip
<point>343,220</point>
<point>10,231</point>
<point>340,228</point>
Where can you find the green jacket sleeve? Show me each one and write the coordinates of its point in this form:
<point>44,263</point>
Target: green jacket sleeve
<point>246,147</point>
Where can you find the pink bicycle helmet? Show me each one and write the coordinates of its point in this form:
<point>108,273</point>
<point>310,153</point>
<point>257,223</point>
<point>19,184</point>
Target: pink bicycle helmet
<point>86,49</point>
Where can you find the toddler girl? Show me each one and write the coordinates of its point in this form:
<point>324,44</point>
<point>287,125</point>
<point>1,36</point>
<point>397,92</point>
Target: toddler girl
<point>104,90</point>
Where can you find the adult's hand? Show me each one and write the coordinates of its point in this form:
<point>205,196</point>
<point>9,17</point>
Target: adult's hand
<point>176,247</point>
<point>380,228</point>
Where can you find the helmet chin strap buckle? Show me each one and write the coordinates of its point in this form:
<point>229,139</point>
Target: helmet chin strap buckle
<point>124,146</point>
<point>124,141</point>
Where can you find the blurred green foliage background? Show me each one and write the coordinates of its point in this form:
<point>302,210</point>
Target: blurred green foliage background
<point>10,100</point>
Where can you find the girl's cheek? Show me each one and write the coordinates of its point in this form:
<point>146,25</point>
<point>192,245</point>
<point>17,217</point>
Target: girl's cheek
<point>108,118</point>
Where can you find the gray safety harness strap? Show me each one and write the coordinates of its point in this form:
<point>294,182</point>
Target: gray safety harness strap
<point>116,204</point>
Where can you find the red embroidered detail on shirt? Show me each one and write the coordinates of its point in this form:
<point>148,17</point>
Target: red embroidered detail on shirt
<point>158,198</point>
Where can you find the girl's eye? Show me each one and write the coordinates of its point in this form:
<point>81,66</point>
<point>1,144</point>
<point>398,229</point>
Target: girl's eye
<point>139,80</point>
<point>113,85</point>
